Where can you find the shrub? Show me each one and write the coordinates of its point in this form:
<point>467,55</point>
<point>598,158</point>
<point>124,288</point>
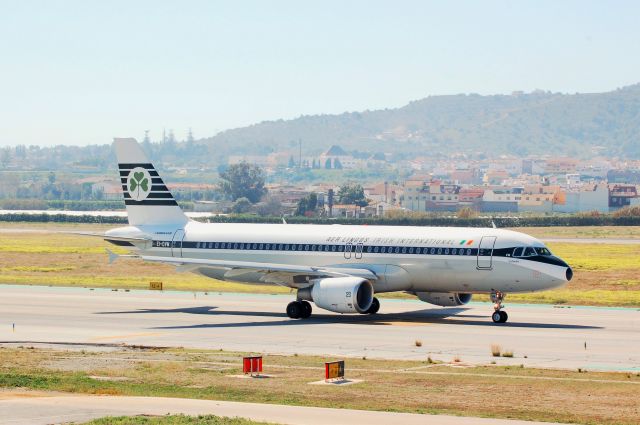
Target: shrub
<point>495,350</point>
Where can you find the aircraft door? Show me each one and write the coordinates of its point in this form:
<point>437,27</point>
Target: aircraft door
<point>347,251</point>
<point>176,243</point>
<point>358,254</point>
<point>485,252</point>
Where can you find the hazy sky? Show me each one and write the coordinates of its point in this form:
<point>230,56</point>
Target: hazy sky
<point>82,72</point>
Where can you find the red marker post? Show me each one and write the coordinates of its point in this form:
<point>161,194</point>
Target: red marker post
<point>251,365</point>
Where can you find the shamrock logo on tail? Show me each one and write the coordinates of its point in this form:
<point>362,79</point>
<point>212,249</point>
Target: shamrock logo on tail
<point>139,183</point>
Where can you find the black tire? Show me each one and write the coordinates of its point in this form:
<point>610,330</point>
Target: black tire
<point>503,316</point>
<point>305,309</point>
<point>294,310</point>
<point>375,306</point>
<point>496,317</point>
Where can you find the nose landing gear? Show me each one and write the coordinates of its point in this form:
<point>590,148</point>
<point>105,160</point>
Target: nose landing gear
<point>498,316</point>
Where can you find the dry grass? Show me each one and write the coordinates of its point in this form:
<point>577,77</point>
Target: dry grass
<point>495,350</point>
<point>534,394</point>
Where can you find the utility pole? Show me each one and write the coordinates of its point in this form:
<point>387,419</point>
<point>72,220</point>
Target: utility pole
<point>300,154</point>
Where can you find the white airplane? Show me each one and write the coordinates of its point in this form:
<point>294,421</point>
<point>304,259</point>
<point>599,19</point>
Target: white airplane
<point>338,267</point>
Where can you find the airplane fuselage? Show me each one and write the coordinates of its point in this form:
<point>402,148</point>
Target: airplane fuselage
<point>419,259</point>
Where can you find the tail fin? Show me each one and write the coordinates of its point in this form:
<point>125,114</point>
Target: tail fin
<point>146,197</point>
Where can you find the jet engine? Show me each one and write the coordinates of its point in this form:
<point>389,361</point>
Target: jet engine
<point>340,294</point>
<point>444,299</point>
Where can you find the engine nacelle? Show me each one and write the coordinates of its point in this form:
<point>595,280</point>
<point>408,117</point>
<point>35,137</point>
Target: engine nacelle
<point>444,299</point>
<point>340,294</point>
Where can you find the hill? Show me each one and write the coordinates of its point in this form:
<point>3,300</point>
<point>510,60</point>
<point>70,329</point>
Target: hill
<point>533,123</point>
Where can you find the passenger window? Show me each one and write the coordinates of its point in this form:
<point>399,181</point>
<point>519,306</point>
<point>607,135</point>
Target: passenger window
<point>306,247</point>
<point>454,251</point>
<point>439,251</point>
<point>261,246</point>
<point>411,250</point>
<point>468,251</point>
<point>432,251</point>
<point>397,250</point>
<point>404,249</point>
<point>446,251</point>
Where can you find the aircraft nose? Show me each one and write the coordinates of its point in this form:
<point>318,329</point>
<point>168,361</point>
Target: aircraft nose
<point>569,274</point>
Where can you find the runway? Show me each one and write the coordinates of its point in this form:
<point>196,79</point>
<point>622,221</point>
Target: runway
<point>591,338</point>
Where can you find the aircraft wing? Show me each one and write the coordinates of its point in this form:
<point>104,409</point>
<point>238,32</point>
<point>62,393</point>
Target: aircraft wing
<point>294,276</point>
<point>113,239</point>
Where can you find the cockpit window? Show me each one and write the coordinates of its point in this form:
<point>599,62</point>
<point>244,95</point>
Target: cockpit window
<point>529,251</point>
<point>517,252</point>
<point>543,251</point>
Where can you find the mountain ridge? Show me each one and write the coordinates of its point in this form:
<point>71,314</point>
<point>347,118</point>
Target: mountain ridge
<point>521,123</point>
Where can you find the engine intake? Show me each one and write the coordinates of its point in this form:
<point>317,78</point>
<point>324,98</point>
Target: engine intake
<point>444,299</point>
<point>340,294</point>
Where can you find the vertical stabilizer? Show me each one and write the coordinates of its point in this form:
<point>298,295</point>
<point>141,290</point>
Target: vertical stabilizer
<point>146,197</point>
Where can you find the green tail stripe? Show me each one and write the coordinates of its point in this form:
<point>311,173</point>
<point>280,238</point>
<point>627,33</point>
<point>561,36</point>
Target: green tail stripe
<point>462,243</point>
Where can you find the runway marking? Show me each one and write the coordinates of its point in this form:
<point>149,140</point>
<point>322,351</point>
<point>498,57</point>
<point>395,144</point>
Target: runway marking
<point>102,338</point>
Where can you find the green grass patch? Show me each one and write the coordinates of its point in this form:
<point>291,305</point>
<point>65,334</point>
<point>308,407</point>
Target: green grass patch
<point>598,256</point>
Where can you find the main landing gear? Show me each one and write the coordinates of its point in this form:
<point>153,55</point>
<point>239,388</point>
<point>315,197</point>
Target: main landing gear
<point>498,316</point>
<point>375,306</point>
<point>299,310</point>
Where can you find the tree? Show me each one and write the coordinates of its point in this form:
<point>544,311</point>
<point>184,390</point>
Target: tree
<point>5,157</point>
<point>352,194</point>
<point>307,205</point>
<point>242,205</point>
<point>243,181</point>
<point>330,201</point>
<point>270,207</point>
<point>466,212</point>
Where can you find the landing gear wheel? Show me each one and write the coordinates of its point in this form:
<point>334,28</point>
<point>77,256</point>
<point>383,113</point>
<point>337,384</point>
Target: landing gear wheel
<point>503,316</point>
<point>498,315</point>
<point>294,310</point>
<point>305,310</point>
<point>375,306</point>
